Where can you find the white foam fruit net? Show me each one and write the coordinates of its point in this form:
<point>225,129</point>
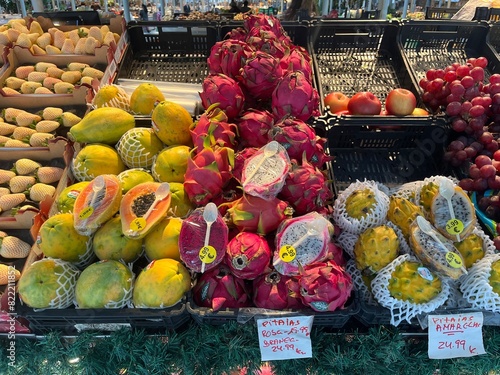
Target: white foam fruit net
<point>364,292</point>
<point>407,191</point>
<point>376,217</point>
<point>66,281</point>
<point>133,152</point>
<point>404,248</point>
<point>80,172</point>
<point>88,257</point>
<point>404,310</point>
<point>475,286</point>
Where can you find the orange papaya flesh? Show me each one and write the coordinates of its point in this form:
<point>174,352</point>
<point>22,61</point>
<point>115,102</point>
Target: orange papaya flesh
<point>142,208</point>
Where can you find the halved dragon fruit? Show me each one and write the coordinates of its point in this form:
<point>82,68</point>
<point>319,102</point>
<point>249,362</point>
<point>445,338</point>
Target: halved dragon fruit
<point>325,286</point>
<point>192,246</point>
<point>276,292</point>
<point>264,172</point>
<point>219,288</point>
<point>224,90</point>
<point>254,214</point>
<point>239,160</point>
<point>248,255</point>
<point>301,241</point>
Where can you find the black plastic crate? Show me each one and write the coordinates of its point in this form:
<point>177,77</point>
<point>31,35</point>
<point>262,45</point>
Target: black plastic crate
<point>72,320</point>
<point>353,56</point>
<point>297,31</point>
<point>333,319</point>
<point>171,51</point>
<point>390,150</point>
<point>432,44</point>
<point>374,315</point>
<point>432,13</point>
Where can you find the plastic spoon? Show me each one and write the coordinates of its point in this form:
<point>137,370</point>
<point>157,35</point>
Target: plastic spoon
<point>446,189</point>
<point>269,150</point>
<point>210,216</point>
<point>425,227</point>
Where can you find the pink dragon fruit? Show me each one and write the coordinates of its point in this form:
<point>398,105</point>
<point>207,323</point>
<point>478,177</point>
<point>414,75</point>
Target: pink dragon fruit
<point>228,57</point>
<point>325,286</point>
<point>230,193</point>
<point>260,74</point>
<point>297,58</point>
<point>238,33</point>
<point>254,214</point>
<point>336,254</point>
<point>300,241</point>
<point>263,39</point>
<point>306,188</point>
<point>276,292</point>
<point>294,95</point>
<point>224,90</point>
<point>253,127</point>
<point>219,288</point>
<point>192,240</point>
<point>207,173</point>
<point>248,255</point>
<point>239,160</point>
<point>319,157</point>
<point>263,21</point>
<point>213,129</point>
<point>264,172</point>
<point>296,136</point>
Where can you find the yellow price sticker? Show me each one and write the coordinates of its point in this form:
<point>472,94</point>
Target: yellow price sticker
<point>454,260</point>
<point>207,254</point>
<point>287,253</point>
<point>138,224</point>
<point>86,212</point>
<point>454,226</point>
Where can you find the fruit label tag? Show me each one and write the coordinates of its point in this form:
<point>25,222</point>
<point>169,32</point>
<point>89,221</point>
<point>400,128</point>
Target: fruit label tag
<point>425,273</point>
<point>207,254</point>
<point>454,226</point>
<point>287,253</point>
<point>73,194</point>
<point>86,212</point>
<point>138,224</point>
<point>454,260</point>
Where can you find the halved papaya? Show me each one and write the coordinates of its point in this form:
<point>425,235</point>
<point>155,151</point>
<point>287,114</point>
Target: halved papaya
<point>143,207</point>
<point>97,203</point>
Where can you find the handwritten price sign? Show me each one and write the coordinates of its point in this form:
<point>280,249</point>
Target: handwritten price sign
<point>455,335</point>
<point>285,338</point>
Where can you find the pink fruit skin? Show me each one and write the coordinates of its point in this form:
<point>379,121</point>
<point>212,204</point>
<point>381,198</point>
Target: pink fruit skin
<point>212,129</point>
<point>263,21</point>
<point>336,253</point>
<point>253,127</point>
<point>313,249</point>
<point>224,90</point>
<point>260,74</point>
<point>265,40</point>
<point>228,57</point>
<point>207,173</point>
<point>294,95</point>
<point>276,292</point>
<point>239,160</point>
<point>192,240</point>
<point>254,214</point>
<point>248,255</point>
<point>238,33</point>
<point>306,188</point>
<point>325,286</point>
<point>296,136</point>
<point>219,288</point>
<point>297,58</point>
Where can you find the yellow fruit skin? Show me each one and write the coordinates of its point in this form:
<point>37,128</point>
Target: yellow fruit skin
<point>494,279</point>
<point>161,284</point>
<point>171,163</point>
<point>109,243</point>
<point>144,98</point>
<point>171,123</point>
<point>66,199</point>
<point>103,125</point>
<point>360,203</point>
<point>180,205</point>
<point>376,248</point>
<point>163,240</point>
<point>96,159</point>
<point>59,239</point>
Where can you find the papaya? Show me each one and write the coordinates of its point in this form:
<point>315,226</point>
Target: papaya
<point>143,206</point>
<point>97,203</point>
<point>131,177</point>
<point>94,160</point>
<point>102,125</point>
<point>66,199</point>
<point>144,98</point>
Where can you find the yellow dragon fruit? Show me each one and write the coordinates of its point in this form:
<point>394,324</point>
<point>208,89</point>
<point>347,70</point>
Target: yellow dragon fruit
<point>402,212</point>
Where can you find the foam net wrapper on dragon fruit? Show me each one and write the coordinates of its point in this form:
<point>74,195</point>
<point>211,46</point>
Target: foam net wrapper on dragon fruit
<point>404,310</point>
<point>476,288</point>
<point>66,280</point>
<point>376,217</point>
<point>436,180</point>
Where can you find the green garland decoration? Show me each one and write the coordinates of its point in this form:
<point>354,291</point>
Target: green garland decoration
<point>222,350</point>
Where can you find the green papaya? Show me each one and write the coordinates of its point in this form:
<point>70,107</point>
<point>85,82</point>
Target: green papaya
<point>102,125</point>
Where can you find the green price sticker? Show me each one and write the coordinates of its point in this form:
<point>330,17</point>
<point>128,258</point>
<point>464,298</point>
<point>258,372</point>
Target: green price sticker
<point>86,212</point>
<point>207,254</point>
<point>138,224</point>
<point>454,260</point>
<point>287,253</point>
<point>454,226</point>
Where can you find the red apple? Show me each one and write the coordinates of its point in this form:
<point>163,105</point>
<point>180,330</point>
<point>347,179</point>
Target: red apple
<point>336,101</point>
<point>364,103</point>
<point>400,102</point>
